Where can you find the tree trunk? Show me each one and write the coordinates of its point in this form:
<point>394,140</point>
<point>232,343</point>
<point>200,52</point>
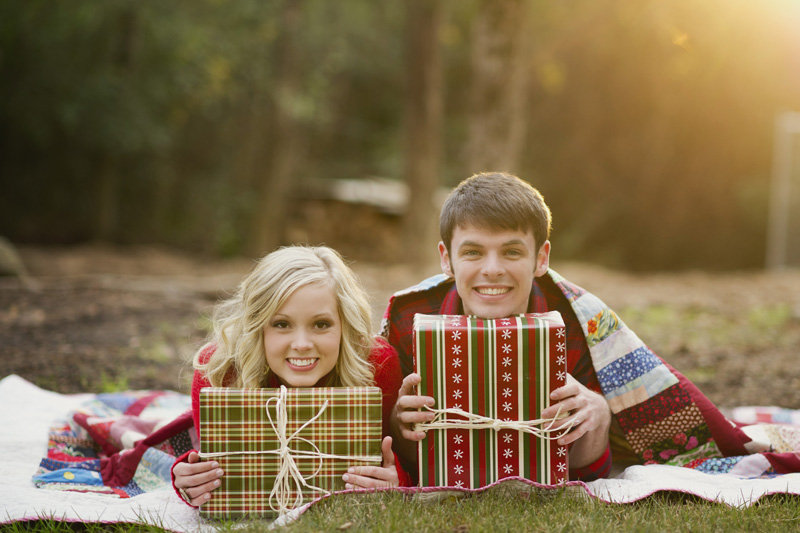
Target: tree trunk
<point>423,128</point>
<point>500,86</point>
<point>273,186</point>
<point>108,176</point>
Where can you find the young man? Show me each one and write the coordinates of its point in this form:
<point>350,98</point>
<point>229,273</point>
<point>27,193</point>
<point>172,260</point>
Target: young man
<point>495,254</point>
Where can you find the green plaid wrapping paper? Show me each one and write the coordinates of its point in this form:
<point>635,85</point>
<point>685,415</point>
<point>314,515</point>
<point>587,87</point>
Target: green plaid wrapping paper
<point>235,420</point>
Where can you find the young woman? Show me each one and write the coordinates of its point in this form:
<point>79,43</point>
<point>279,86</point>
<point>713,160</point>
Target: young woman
<point>299,319</point>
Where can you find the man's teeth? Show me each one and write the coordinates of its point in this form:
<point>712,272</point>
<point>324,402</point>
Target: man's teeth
<point>301,362</point>
<point>493,290</point>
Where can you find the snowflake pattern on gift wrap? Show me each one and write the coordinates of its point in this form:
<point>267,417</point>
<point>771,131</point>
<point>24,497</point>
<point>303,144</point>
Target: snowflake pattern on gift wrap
<point>561,452</point>
<point>458,439</point>
<point>561,360</point>
<point>561,467</point>
<point>458,454</point>
<point>507,406</point>
<point>562,347</point>
<point>505,321</point>
<point>506,392</point>
<point>456,363</point>
<point>508,469</point>
<point>457,394</point>
<point>506,333</point>
<point>456,349</point>
<point>506,348</point>
<point>506,376</point>
<point>560,333</point>
<point>458,469</point>
<point>506,361</point>
<point>507,438</point>
<point>456,335</point>
<point>561,376</point>
<point>460,484</point>
<point>457,378</point>
<point>456,406</point>
<point>508,453</point>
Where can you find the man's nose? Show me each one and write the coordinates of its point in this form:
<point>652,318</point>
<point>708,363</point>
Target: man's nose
<point>492,266</point>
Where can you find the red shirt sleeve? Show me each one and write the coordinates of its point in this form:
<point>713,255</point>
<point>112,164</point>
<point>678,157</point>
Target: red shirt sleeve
<point>389,378</point>
<point>596,470</point>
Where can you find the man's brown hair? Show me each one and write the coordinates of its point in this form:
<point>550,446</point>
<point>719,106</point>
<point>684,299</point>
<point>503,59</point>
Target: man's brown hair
<point>495,200</point>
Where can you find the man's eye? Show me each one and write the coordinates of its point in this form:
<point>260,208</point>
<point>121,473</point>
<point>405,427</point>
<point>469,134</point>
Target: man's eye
<point>512,252</point>
<point>471,253</point>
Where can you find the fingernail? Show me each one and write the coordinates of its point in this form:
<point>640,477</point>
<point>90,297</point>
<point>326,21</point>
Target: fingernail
<point>345,477</point>
<point>350,470</point>
<point>215,465</point>
<point>206,496</point>
<point>348,486</point>
<point>220,472</point>
<point>216,483</point>
<point>429,402</point>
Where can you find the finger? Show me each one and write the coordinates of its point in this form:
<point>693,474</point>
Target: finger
<point>191,469</point>
<point>562,408</point>
<point>410,434</point>
<point>578,430</point>
<point>197,480</point>
<point>409,385</point>
<point>376,472</point>
<point>410,418</point>
<point>386,451</point>
<point>405,403</point>
<point>354,481</point>
<point>194,457</point>
<point>201,494</point>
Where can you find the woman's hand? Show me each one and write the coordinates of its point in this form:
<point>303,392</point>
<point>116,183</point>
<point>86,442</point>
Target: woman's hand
<point>195,479</point>
<point>373,477</point>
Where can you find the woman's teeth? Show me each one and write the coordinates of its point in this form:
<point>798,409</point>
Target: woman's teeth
<point>301,362</point>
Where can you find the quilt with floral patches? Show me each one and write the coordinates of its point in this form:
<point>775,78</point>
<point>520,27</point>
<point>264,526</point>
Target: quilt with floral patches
<point>663,418</point>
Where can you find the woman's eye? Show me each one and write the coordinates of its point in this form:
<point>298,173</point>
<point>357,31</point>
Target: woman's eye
<point>280,324</point>
<point>322,324</point>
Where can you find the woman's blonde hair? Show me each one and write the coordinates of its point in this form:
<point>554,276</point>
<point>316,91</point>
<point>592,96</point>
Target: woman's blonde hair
<point>239,321</point>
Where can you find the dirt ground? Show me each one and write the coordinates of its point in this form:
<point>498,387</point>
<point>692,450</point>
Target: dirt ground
<point>95,318</point>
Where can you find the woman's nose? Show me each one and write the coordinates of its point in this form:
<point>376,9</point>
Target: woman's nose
<point>301,341</point>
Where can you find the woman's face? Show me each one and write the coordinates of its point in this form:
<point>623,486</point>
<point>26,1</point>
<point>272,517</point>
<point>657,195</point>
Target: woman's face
<point>302,339</point>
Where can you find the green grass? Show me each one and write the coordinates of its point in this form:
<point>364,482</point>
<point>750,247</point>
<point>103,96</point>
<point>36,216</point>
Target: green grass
<point>503,509</point>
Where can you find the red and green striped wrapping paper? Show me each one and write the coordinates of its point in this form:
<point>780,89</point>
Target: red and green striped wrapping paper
<point>236,420</point>
<point>502,369</point>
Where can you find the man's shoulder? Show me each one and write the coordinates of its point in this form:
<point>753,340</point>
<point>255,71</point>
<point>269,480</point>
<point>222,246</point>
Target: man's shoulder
<point>425,297</point>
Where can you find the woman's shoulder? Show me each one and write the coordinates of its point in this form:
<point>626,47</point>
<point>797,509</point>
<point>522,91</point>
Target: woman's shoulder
<point>381,351</point>
<point>204,354</point>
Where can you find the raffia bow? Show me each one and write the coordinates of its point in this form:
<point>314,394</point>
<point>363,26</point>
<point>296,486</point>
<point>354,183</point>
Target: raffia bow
<point>289,478</point>
<point>472,421</point>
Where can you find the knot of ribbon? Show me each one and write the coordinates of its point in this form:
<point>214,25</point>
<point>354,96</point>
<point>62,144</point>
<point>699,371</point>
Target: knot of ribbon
<point>289,477</point>
<point>470,421</point>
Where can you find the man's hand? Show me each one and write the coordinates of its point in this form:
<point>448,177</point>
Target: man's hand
<point>197,479</point>
<point>405,414</point>
<point>590,417</point>
<point>373,477</point>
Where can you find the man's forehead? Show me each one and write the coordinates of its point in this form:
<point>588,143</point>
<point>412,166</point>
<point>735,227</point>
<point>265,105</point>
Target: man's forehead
<point>470,235</point>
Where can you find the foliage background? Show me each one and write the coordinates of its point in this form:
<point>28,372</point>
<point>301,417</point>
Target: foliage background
<point>210,124</point>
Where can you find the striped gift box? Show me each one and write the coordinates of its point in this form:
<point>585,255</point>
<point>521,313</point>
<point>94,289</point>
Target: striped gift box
<point>503,369</point>
<point>244,424</point>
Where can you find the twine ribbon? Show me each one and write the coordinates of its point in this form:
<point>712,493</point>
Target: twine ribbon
<point>289,477</point>
<point>470,421</point>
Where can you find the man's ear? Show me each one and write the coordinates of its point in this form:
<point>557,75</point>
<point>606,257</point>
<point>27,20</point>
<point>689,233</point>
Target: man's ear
<point>542,260</point>
<point>444,260</point>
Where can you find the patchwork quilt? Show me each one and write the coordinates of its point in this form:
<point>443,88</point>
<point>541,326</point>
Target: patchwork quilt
<point>120,444</point>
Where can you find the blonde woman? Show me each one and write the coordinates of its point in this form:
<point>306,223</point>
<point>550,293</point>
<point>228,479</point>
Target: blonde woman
<point>299,319</point>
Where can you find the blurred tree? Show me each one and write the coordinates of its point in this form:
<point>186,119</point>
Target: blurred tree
<point>499,86</point>
<point>423,126</point>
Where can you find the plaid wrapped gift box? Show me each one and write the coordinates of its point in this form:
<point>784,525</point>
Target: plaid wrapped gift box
<point>243,425</point>
<point>503,369</point>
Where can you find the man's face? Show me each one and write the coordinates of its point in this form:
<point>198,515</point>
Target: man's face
<point>493,269</point>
